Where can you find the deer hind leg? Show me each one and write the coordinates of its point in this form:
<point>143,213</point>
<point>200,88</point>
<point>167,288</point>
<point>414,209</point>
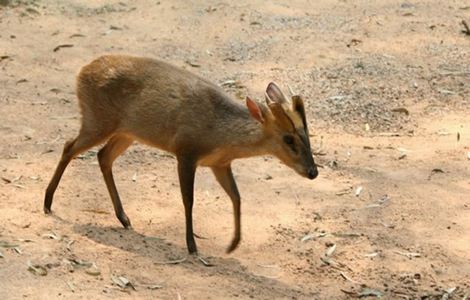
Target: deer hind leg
<point>106,156</point>
<point>84,141</point>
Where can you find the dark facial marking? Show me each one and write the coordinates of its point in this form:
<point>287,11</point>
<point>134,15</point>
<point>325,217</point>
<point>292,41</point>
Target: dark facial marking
<point>290,141</point>
<point>303,137</point>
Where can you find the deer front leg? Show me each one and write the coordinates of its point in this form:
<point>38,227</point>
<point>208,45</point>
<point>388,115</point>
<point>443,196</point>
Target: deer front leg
<point>186,171</point>
<point>225,178</point>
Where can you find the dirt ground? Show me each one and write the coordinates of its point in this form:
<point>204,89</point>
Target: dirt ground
<point>387,85</point>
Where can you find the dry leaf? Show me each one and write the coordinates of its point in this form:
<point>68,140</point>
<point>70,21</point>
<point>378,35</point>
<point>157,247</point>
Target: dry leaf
<point>93,270</point>
<point>86,155</point>
<point>193,64</point>
<point>268,266</point>
<point>327,261</point>
<point>332,263</point>
<point>205,262</point>
<point>5,244</point>
<point>114,27</point>
<point>449,291</point>
<point>122,282</point>
<point>346,234</point>
<point>354,42</point>
<point>330,251</point>
<point>435,171</point>
<point>69,245</point>
<point>52,236</point>
<point>367,292</point>
<point>154,286</point>
<point>312,236</point>
<point>446,92</point>
<point>353,293</point>
<point>381,202</point>
<point>410,255</point>
<point>25,240</point>
<point>6,180</point>
<point>345,191</point>
<point>22,80</point>
<point>229,82</point>
<point>80,263</point>
<point>389,134</point>
<point>401,110</point>
<point>358,191</point>
<point>443,132</point>
<point>37,269</point>
<point>117,281</point>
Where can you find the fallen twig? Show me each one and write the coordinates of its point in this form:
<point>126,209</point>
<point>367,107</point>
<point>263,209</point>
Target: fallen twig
<point>435,171</point>
<point>200,236</point>
<point>410,255</point>
<point>345,191</point>
<point>205,262</point>
<point>348,278</point>
<point>62,46</point>
<point>171,262</point>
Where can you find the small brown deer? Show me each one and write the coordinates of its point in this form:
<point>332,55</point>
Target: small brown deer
<point>125,98</point>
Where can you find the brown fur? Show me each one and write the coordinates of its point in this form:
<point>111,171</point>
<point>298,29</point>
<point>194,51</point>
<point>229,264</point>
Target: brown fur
<point>125,98</point>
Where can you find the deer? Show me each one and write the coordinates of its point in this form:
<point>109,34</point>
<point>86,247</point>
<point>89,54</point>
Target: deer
<point>125,99</point>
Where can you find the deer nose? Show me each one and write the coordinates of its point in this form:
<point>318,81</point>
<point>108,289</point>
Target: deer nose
<point>312,173</point>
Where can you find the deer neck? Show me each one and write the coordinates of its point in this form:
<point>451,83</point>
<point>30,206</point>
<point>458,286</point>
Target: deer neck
<point>248,139</point>
<point>239,136</point>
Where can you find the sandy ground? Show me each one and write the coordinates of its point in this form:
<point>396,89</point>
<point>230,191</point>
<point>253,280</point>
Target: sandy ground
<point>387,85</point>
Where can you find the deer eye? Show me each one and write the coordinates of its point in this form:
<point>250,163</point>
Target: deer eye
<point>288,139</point>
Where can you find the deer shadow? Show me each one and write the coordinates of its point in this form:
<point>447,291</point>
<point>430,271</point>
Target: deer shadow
<point>163,253</point>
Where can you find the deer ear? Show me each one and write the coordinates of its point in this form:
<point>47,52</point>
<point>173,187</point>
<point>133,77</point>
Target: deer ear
<point>254,110</point>
<point>275,93</point>
<point>298,106</point>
